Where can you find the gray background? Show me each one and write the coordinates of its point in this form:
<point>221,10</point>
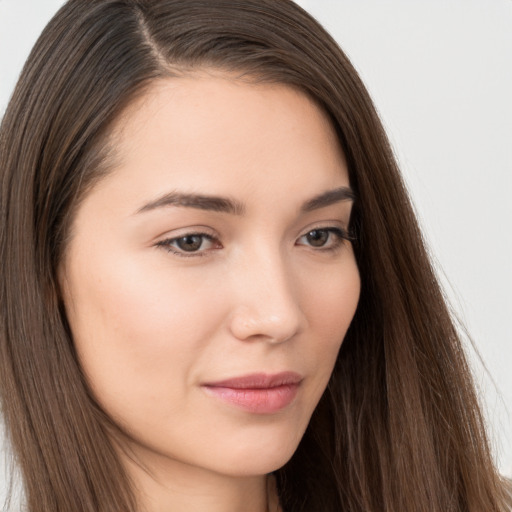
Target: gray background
<point>440,73</point>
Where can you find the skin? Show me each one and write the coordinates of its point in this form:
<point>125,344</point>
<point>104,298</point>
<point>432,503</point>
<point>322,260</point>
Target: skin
<point>152,323</point>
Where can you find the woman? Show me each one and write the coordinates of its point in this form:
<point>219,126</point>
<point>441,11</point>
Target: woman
<point>215,295</point>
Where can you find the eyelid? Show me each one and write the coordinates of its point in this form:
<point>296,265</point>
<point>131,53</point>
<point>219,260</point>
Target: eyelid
<point>342,235</point>
<point>332,225</point>
<point>166,242</point>
<point>173,234</point>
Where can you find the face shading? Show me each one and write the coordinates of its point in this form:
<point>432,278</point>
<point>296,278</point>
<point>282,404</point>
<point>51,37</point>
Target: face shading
<point>209,280</point>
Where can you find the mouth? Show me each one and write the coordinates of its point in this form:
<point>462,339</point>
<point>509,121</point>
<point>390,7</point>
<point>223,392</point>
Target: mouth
<point>257,393</point>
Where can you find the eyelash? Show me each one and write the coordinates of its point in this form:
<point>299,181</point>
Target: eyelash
<point>340,234</point>
<point>167,244</point>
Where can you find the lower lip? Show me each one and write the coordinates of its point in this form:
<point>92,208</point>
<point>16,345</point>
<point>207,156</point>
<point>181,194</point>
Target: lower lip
<point>261,401</point>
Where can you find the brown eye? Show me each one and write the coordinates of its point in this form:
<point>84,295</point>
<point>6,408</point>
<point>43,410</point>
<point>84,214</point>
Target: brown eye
<point>318,237</point>
<point>323,238</point>
<point>190,243</point>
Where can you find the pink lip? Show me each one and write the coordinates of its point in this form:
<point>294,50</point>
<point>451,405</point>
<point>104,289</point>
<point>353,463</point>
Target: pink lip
<point>258,393</point>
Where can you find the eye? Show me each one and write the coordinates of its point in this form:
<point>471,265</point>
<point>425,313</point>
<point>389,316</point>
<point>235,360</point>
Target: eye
<point>190,244</point>
<point>323,238</point>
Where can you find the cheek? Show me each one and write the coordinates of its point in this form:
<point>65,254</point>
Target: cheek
<point>145,334</point>
<point>331,305</point>
<point>334,293</point>
<point>136,329</point>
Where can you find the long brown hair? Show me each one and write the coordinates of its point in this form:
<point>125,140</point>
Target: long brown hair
<point>399,427</point>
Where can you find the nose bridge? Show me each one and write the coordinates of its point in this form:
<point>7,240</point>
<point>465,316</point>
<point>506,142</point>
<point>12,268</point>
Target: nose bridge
<point>266,302</point>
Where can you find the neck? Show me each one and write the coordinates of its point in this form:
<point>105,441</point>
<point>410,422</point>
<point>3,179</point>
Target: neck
<point>165,485</point>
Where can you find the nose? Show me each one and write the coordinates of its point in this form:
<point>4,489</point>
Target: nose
<point>266,302</point>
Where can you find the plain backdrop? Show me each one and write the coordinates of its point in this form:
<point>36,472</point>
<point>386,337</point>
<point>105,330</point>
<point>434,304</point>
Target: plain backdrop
<point>440,73</point>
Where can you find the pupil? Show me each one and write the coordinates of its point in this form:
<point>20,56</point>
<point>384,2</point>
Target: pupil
<point>190,243</point>
<point>318,237</point>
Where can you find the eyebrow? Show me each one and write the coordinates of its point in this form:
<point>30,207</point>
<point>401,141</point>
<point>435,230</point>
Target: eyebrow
<point>234,207</point>
<point>328,198</point>
<point>198,201</point>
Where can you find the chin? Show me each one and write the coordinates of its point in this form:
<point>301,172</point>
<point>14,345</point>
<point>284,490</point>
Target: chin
<point>258,456</point>
<point>260,464</point>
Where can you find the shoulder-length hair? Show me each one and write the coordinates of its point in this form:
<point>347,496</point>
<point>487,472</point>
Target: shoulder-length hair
<point>398,428</point>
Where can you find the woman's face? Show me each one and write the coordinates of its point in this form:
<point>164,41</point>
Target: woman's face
<point>208,282</point>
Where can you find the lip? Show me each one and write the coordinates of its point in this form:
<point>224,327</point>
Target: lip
<point>257,393</point>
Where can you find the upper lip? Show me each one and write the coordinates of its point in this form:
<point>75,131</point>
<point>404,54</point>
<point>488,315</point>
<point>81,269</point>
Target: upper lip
<point>258,381</point>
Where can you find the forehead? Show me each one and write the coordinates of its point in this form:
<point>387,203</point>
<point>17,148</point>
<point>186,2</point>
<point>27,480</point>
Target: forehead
<point>212,132</point>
